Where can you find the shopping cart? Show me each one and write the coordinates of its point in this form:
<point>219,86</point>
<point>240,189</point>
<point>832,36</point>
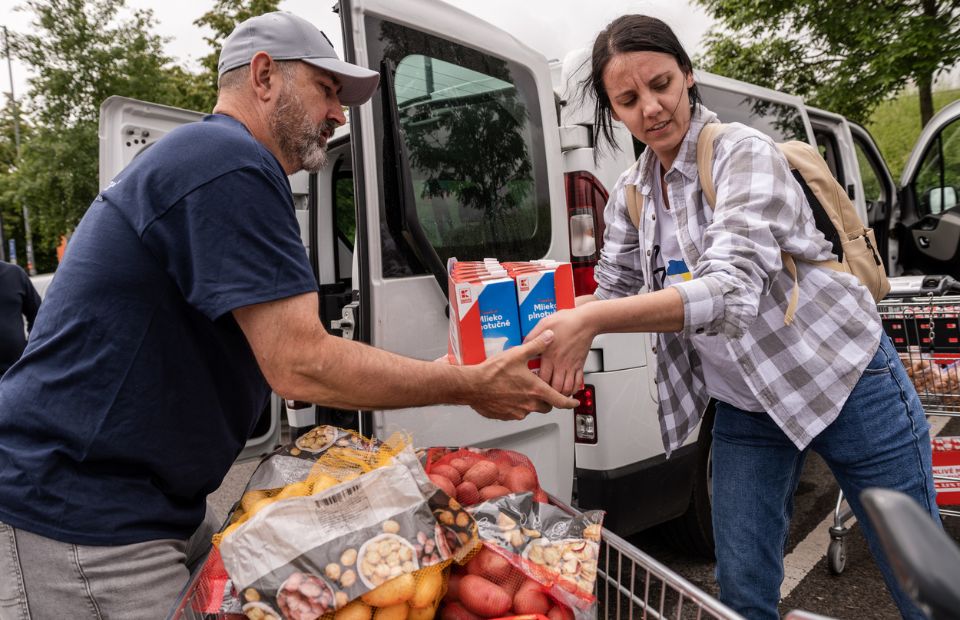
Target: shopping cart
<point>631,585</point>
<point>926,333</point>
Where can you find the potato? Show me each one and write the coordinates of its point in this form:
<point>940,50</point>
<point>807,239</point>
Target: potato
<point>426,613</point>
<point>513,581</point>
<point>453,588</point>
<point>490,565</point>
<point>493,490</point>
<point>429,584</point>
<point>322,483</point>
<point>357,610</point>
<point>393,612</point>
<point>531,599</point>
<point>483,473</point>
<point>460,464</point>
<point>467,493</point>
<point>520,479</point>
<point>559,612</point>
<point>456,611</point>
<point>448,472</point>
<point>444,483</point>
<point>250,498</point>
<point>483,597</point>
<point>398,590</point>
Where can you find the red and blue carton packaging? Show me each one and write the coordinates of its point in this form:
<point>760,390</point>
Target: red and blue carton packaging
<point>494,306</point>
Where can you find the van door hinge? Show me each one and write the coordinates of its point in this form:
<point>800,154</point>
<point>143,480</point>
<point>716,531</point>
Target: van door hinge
<point>348,323</point>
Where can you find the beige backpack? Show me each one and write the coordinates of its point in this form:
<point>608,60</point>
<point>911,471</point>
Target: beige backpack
<point>833,212</point>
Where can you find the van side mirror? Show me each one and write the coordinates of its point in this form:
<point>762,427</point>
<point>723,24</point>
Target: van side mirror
<point>941,198</point>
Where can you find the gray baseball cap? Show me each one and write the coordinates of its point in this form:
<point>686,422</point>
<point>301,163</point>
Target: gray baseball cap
<point>287,37</point>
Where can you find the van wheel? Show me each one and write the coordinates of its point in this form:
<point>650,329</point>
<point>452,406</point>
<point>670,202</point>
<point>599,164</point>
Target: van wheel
<point>692,532</point>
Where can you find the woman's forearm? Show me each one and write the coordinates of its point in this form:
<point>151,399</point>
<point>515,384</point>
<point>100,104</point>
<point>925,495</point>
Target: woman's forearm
<point>660,311</point>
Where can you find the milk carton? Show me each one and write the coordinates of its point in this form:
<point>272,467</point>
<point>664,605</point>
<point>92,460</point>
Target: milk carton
<point>543,287</point>
<point>483,312</point>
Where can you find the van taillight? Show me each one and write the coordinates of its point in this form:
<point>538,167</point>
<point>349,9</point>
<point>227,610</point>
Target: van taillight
<point>585,416</point>
<point>586,199</point>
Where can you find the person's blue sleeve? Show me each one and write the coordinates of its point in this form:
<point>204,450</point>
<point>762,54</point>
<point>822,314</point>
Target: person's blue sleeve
<point>233,242</point>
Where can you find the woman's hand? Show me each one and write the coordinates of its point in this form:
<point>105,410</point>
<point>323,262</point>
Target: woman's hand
<point>561,364</point>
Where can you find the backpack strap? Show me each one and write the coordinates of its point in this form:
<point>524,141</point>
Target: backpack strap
<point>705,143</point>
<point>633,209</point>
<point>630,193</point>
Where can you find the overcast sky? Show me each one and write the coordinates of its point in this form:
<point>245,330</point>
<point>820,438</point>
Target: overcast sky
<point>553,27</point>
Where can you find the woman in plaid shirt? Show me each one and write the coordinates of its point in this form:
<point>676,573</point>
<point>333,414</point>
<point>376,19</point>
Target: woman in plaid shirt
<point>711,285</point>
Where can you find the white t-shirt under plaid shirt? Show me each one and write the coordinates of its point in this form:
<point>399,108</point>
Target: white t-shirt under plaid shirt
<point>802,373</point>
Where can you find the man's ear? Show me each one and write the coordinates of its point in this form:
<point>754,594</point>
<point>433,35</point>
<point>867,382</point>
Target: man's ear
<point>264,76</point>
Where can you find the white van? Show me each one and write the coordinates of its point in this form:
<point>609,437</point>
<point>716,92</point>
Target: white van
<point>470,149</point>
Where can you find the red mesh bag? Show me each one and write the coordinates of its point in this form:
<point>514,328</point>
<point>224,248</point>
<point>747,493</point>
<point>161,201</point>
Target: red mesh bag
<point>473,475</point>
<point>489,586</point>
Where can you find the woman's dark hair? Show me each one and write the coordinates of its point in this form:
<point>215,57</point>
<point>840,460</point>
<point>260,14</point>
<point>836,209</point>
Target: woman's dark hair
<point>630,33</point>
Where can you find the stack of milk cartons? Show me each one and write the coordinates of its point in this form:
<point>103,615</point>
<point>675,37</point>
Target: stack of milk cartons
<point>494,306</point>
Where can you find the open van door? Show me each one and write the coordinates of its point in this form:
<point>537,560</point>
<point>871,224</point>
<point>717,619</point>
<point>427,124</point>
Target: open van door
<point>457,155</point>
<point>127,128</point>
<point>879,195</point>
<point>929,221</point>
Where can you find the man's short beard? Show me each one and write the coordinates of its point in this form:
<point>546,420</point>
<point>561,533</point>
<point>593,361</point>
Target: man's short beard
<point>298,139</point>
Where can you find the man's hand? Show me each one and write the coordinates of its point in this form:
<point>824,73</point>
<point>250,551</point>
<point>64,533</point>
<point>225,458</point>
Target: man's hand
<point>509,390</point>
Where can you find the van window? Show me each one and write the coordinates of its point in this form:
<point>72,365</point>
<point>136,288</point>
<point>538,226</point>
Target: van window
<point>938,179</point>
<point>830,151</point>
<point>780,121</point>
<point>873,186</point>
<point>344,210</point>
<point>472,136</point>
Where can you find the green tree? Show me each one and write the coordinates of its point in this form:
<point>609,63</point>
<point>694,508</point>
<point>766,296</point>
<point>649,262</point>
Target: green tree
<point>10,205</point>
<point>222,19</point>
<point>846,57</point>
<point>80,52</point>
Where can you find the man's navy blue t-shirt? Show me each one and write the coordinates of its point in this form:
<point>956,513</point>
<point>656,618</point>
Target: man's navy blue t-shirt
<point>137,389</point>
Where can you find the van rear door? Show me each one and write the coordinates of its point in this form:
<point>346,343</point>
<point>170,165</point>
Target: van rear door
<point>457,155</point>
<point>127,128</point>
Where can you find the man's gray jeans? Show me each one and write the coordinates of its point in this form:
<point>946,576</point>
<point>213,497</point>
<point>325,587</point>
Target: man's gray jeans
<point>43,579</point>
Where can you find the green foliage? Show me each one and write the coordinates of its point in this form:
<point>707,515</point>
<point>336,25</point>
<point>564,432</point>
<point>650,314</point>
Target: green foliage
<point>895,126</point>
<point>80,52</point>
<point>846,57</point>
<point>222,19</point>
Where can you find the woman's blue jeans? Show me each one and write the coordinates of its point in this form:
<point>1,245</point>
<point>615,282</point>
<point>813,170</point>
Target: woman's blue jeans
<point>880,439</point>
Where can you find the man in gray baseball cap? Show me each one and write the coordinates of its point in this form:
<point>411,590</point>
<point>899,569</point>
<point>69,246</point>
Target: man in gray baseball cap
<point>287,37</point>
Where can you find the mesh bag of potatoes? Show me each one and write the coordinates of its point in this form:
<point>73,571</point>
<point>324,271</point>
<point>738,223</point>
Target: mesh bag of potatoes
<point>932,377</point>
<point>474,475</point>
<point>535,559</point>
<point>352,532</point>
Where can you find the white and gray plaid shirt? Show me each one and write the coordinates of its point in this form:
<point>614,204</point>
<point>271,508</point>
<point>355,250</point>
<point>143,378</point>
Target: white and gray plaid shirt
<point>801,373</point>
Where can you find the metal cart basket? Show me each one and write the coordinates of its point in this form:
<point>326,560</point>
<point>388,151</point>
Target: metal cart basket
<point>926,334</point>
<point>631,585</point>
